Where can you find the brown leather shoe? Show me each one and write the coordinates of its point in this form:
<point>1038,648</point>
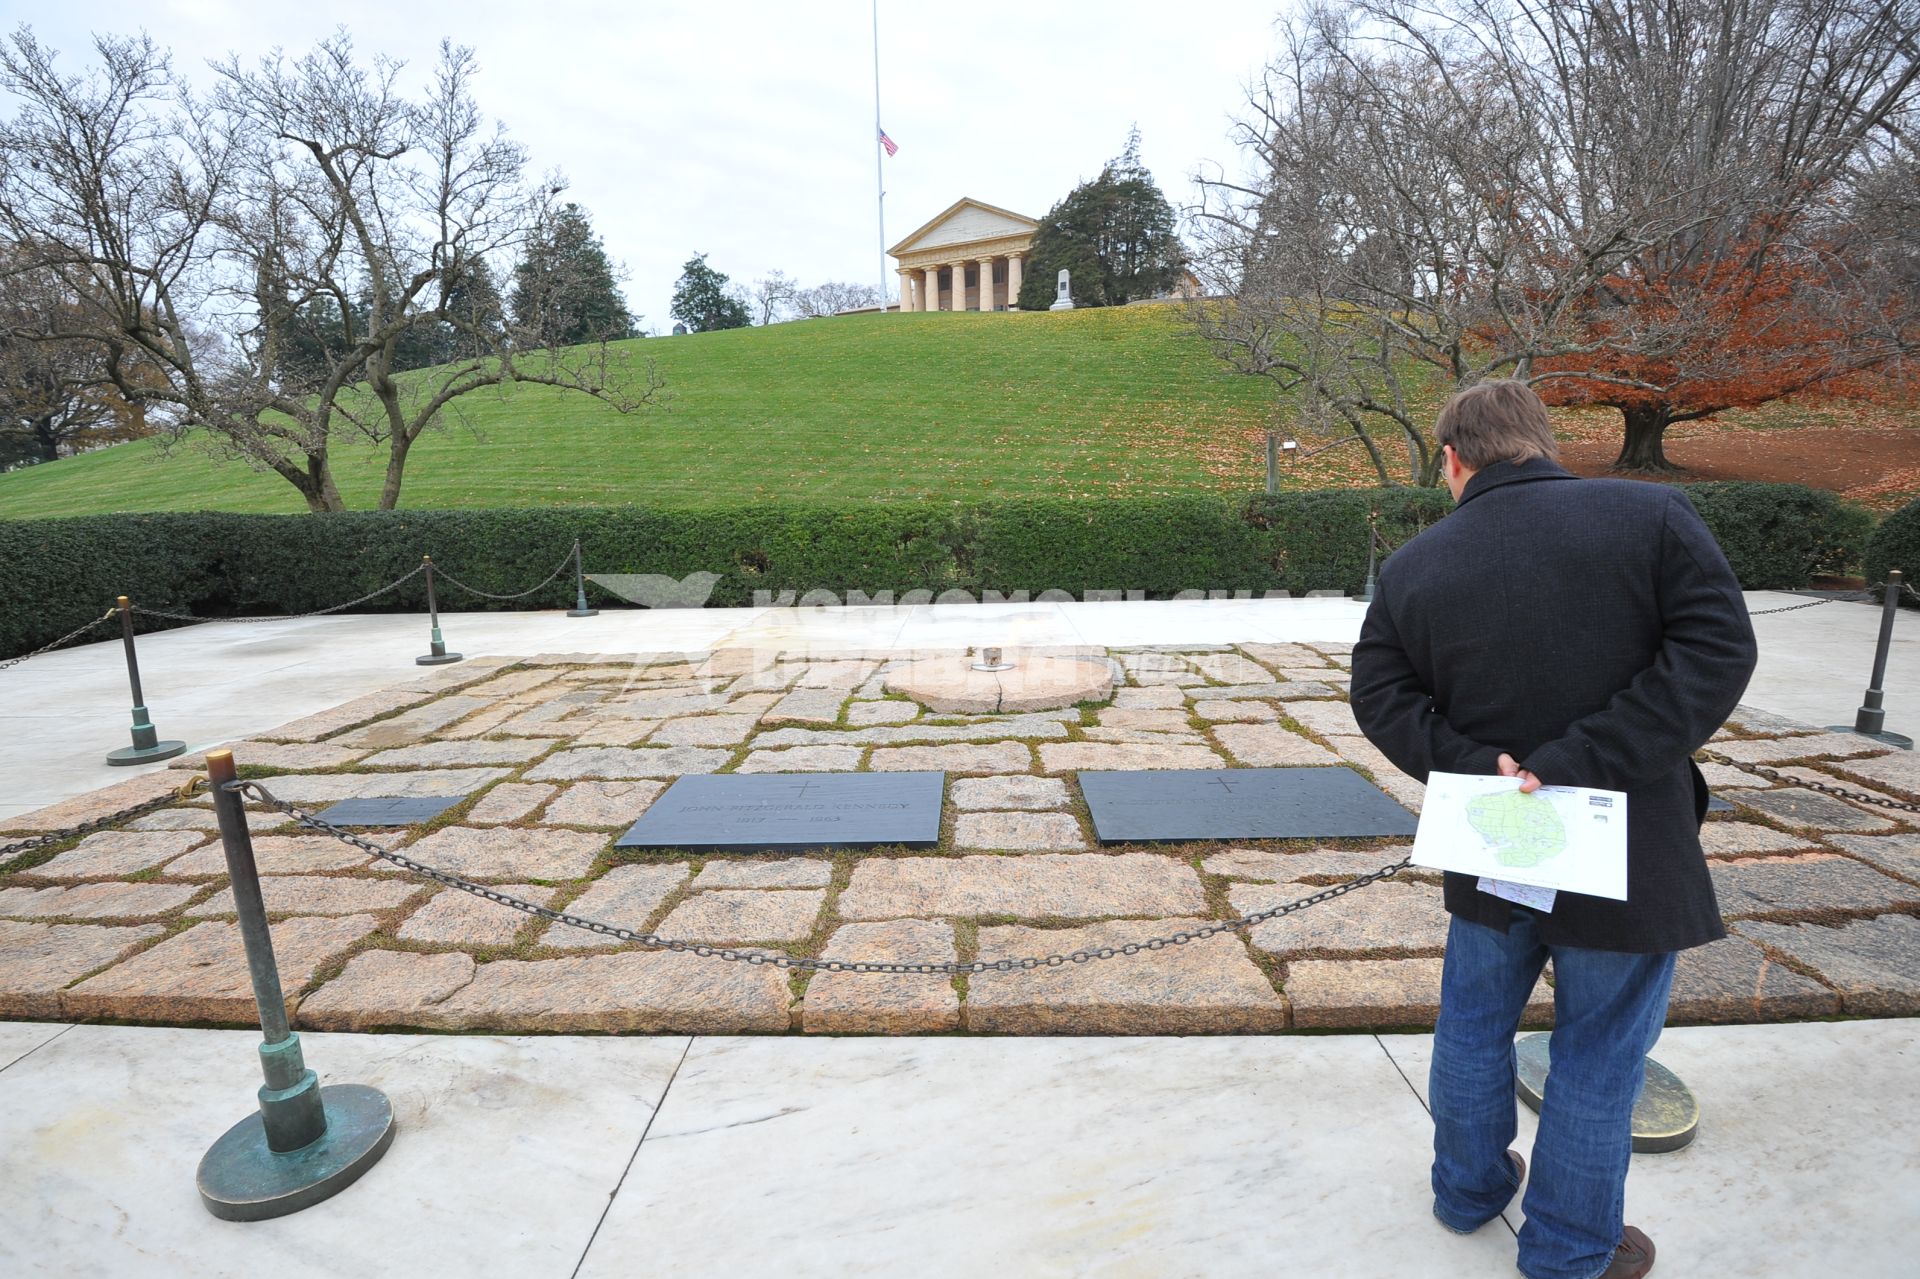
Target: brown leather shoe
<point>1632,1256</point>
<point>1519,1166</point>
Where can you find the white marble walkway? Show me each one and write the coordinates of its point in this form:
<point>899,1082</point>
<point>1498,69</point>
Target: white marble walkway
<point>1224,1157</point>
<point>61,713</point>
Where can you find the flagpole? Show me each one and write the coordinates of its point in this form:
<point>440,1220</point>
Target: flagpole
<point>879,181</point>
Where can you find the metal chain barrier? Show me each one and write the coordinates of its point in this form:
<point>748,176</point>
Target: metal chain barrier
<point>75,633</point>
<point>1855,598</point>
<point>451,580</point>
<point>9,851</point>
<point>1838,792</point>
<point>287,617</point>
<point>775,958</point>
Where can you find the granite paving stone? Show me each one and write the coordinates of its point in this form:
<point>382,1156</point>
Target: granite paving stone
<point>1018,831</point>
<point>1721,776</point>
<point>1363,753</point>
<point>201,974</point>
<point>410,726</point>
<point>1898,771</point>
<point>868,714</point>
<point>316,895</point>
<point>803,759</point>
<point>1334,993</point>
<point>382,988</point>
<point>506,853</point>
<point>1737,839</point>
<point>510,802</point>
<point>616,732</point>
<point>629,992</point>
<point>625,896</point>
<point>312,728</point>
<point>290,755</point>
<point>1836,745</point>
<point>808,706</point>
<point>1318,865</point>
<point>1034,886</point>
<point>1141,737</point>
<point>451,917</point>
<point>602,803</point>
<point>109,900</point>
<point>38,961</point>
<point>760,872</point>
<point>445,754</point>
<point>1329,719</point>
<point>1296,690</point>
<point>512,683</point>
<point>1282,656</point>
<point>1008,791</point>
<point>996,757</point>
<point>113,854</point>
<point>203,819</point>
<point>95,804</point>
<point>705,730</point>
<point>1152,698</point>
<point>1160,721</point>
<point>1029,725</point>
<point>1204,987</point>
<point>1732,980</point>
<point>1248,711</point>
<point>1808,810</point>
<point>1894,854</point>
<point>884,1003</point>
<point>282,855</point>
<point>1068,757</point>
<point>1752,719</point>
<point>616,763</point>
<point>1271,746</point>
<point>745,915</point>
<point>1874,963</point>
<point>1806,883</point>
<point>1378,918</point>
<point>658,706</point>
<point>325,788</point>
<point>1230,668</point>
<point>480,723</point>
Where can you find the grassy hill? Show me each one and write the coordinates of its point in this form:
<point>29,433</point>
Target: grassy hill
<point>923,407</point>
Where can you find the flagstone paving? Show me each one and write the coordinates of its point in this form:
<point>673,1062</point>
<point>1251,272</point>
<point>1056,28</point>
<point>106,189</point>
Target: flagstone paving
<point>556,755</point>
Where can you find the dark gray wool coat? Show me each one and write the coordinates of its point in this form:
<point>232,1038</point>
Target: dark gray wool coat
<point>1593,630</point>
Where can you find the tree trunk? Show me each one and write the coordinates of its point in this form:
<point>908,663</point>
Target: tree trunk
<point>397,448</point>
<point>1642,449</point>
<point>46,442</point>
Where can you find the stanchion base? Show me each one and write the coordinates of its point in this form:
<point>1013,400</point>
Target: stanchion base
<point>438,659</point>
<point>1665,1118</point>
<point>583,612</point>
<point>241,1180</point>
<point>1889,739</point>
<point>146,754</point>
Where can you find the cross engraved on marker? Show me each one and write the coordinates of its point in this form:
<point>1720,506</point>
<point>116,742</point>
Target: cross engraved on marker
<point>802,793</point>
<point>1222,783</point>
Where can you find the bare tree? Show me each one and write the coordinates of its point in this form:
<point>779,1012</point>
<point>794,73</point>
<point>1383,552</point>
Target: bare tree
<point>834,297</point>
<point>294,186</point>
<point>772,297</point>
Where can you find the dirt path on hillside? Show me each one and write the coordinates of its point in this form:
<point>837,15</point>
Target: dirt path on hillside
<point>1879,468</point>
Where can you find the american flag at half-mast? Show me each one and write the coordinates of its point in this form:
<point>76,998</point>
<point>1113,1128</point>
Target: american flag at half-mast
<point>887,142</point>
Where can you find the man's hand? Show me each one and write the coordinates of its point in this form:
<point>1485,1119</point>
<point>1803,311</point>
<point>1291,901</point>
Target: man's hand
<point>1510,767</point>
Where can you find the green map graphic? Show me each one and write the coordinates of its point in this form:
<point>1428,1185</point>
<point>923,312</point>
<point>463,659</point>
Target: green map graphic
<point>1525,830</point>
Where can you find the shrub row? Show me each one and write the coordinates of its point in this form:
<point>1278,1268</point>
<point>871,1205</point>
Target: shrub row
<point>59,573</point>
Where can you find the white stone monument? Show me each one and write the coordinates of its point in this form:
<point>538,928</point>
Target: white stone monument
<point>1063,301</point>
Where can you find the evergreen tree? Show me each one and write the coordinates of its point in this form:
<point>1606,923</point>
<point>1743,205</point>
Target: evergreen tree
<point>1115,235</point>
<point>702,301</point>
<point>564,289</point>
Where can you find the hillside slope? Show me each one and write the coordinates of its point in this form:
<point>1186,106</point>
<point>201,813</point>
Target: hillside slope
<point>915,407</point>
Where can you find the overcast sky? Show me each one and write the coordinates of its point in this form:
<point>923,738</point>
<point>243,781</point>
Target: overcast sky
<point>744,129</point>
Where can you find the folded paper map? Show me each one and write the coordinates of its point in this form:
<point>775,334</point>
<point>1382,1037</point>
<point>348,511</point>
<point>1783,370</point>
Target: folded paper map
<point>1562,837</point>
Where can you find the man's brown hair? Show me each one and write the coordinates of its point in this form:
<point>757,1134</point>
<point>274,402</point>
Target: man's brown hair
<point>1497,421</point>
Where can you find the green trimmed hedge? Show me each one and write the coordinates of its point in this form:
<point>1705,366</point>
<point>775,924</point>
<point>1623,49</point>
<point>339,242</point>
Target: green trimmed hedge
<point>59,573</point>
<point>1895,544</point>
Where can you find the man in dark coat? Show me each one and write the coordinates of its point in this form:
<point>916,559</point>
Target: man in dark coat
<point>1577,633</point>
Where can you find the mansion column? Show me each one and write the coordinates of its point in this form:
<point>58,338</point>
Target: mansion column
<point>986,284</point>
<point>930,291</point>
<point>1016,269</point>
<point>906,291</point>
<point>960,286</point>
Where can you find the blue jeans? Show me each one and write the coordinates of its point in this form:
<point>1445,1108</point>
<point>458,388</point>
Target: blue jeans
<point>1608,1008</point>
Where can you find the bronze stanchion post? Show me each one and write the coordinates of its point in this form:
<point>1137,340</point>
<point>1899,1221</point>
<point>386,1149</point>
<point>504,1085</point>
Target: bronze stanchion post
<point>436,654</point>
<point>307,1143</point>
<point>580,608</point>
<point>147,745</point>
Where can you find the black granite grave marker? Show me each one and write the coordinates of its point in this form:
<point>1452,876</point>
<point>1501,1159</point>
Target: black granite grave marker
<point>791,812</point>
<point>389,811</point>
<point>1239,803</point>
